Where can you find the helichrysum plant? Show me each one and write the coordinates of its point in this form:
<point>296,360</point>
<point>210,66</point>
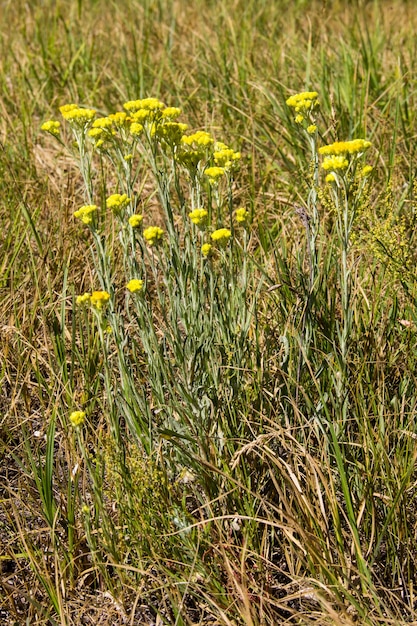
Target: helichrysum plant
<point>174,297</point>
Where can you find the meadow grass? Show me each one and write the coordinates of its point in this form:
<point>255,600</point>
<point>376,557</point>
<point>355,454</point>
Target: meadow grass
<point>232,439</point>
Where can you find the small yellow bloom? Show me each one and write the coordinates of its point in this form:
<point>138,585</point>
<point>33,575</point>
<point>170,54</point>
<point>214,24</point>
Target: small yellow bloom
<point>103,123</point>
<point>206,249</point>
<point>99,299</point>
<point>199,217</point>
<point>303,102</point>
<point>311,129</point>
<point>51,127</point>
<point>299,119</point>
<point>95,133</point>
<point>119,119</point>
<point>171,113</point>
<point>136,129</point>
<point>135,220</point>
<point>200,138</point>
<point>118,201</point>
<point>77,418</point>
<point>135,285</point>
<point>86,213</point>
<point>366,170</point>
<point>66,108</point>
<point>83,299</point>
<point>345,147</point>
<point>330,178</point>
<point>335,163</point>
<point>221,236</point>
<point>150,104</point>
<point>214,174</point>
<point>242,215</point>
<point>76,115</point>
<point>226,157</point>
<point>171,132</point>
<point>153,234</point>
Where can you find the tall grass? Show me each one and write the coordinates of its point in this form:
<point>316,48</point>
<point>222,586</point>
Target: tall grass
<point>234,442</point>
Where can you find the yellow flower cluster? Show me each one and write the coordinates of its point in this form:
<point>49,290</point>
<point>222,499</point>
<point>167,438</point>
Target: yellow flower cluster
<point>146,104</point>
<point>199,217</point>
<point>104,123</point>
<point>119,119</point>
<point>225,156</point>
<point>201,139</point>
<point>51,127</point>
<point>77,418</point>
<point>135,285</point>
<point>171,113</point>
<point>206,249</point>
<point>366,170</point>
<point>221,236</point>
<point>84,299</point>
<point>335,163</point>
<point>136,220</point>
<point>171,132</point>
<point>303,102</point>
<point>242,215</point>
<point>153,235</point>
<point>98,299</point>
<point>345,147</point>
<point>86,213</point>
<point>214,174</point>
<point>136,129</point>
<point>76,115</point>
<point>117,202</point>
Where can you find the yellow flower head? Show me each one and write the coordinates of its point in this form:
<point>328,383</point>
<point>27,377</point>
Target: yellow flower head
<point>83,299</point>
<point>141,116</point>
<point>150,104</point>
<point>330,178</point>
<point>311,129</point>
<point>199,217</point>
<point>366,170</point>
<point>76,115</point>
<point>95,133</point>
<point>171,113</point>
<point>77,418</point>
<point>66,108</point>
<point>206,249</point>
<point>118,202</point>
<point>299,119</point>
<point>119,119</point>
<point>335,163</point>
<point>153,234</point>
<point>355,146</point>
<point>214,174</point>
<point>103,123</point>
<point>201,139</point>
<point>242,215</point>
<point>303,102</point>
<point>99,299</point>
<point>86,213</point>
<point>51,127</point>
<point>171,132</point>
<point>136,220</point>
<point>136,129</point>
<point>226,158</point>
<point>134,285</point>
<point>221,236</point>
